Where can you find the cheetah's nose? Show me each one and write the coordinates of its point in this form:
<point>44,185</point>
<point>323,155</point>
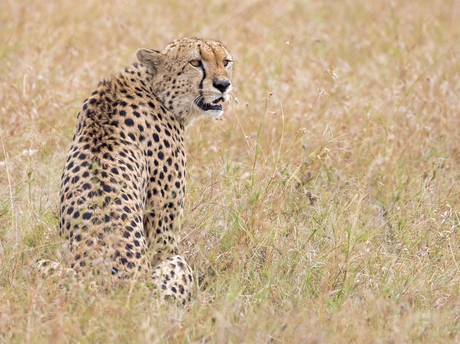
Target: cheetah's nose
<point>221,85</point>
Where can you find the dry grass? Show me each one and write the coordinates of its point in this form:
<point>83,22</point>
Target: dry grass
<point>323,208</point>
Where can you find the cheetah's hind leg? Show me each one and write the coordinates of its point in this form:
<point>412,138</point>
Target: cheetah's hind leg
<point>174,279</point>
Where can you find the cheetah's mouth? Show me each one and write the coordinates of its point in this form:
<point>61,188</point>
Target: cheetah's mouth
<point>210,106</point>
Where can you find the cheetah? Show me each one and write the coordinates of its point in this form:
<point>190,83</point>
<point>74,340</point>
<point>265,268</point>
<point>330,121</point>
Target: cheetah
<point>122,189</point>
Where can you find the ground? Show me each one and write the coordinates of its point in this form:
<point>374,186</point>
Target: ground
<point>322,207</point>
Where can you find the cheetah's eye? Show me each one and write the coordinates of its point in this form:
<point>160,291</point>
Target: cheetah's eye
<point>196,63</point>
<point>226,62</point>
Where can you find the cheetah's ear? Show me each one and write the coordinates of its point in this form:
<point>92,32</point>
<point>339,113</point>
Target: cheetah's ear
<point>150,58</point>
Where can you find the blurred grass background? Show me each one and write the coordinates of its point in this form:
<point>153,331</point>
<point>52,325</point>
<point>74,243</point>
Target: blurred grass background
<point>323,207</point>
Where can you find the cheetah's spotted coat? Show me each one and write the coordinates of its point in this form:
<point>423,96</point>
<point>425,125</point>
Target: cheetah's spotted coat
<point>123,184</point>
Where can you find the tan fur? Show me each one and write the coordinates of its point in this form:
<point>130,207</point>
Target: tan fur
<point>123,184</point>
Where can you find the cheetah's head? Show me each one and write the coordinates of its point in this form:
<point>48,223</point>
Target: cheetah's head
<point>192,76</point>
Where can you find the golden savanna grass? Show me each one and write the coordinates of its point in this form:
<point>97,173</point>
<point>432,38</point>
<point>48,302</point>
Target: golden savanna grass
<point>323,207</point>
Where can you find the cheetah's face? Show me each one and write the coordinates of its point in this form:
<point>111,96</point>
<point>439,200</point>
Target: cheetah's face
<point>192,76</point>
